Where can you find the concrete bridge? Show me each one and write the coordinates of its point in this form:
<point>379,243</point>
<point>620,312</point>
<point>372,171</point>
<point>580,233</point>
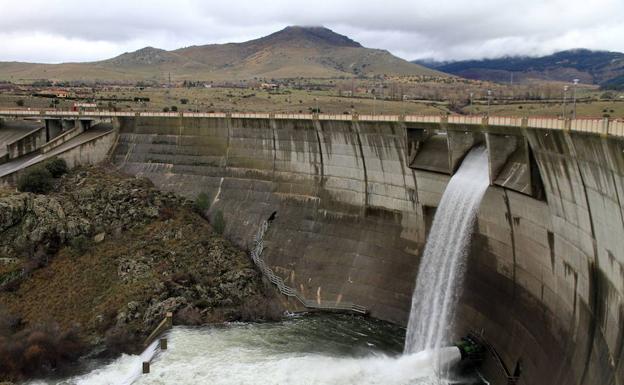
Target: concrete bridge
<point>604,126</point>
<point>355,197</point>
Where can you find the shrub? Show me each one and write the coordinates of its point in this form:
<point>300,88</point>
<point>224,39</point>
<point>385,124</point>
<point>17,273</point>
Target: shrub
<point>218,222</point>
<point>166,109</point>
<point>39,351</point>
<point>202,203</point>
<point>119,340</point>
<point>184,101</point>
<point>56,166</point>
<point>166,213</point>
<point>80,244</point>
<point>607,95</point>
<point>37,180</point>
<point>188,316</point>
<point>20,102</point>
<point>174,108</point>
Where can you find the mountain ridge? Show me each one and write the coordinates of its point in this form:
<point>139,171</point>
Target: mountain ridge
<point>589,66</point>
<point>295,51</point>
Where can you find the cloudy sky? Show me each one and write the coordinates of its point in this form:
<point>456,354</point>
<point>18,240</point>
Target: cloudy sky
<point>55,31</point>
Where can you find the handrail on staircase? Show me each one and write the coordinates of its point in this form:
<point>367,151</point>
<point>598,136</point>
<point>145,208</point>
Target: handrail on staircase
<point>288,291</point>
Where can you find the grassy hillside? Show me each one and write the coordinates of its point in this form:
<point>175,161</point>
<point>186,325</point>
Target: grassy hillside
<point>309,52</point>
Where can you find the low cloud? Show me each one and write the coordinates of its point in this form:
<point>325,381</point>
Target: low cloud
<point>71,30</point>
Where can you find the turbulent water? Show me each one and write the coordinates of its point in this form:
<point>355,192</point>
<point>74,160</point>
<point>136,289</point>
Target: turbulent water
<point>441,271</point>
<point>316,350</point>
<point>329,350</point>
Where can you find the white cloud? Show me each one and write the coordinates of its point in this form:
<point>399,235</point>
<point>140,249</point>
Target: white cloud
<point>72,30</point>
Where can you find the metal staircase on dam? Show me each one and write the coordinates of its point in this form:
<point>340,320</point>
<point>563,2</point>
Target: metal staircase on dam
<point>288,291</point>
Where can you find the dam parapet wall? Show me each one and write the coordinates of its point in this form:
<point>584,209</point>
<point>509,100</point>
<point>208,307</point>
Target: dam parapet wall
<point>355,199</point>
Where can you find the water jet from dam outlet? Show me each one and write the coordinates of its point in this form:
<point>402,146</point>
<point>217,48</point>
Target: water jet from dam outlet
<point>323,350</point>
<point>442,266</point>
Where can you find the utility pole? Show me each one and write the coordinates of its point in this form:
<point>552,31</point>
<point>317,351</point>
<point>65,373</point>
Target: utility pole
<point>471,95</point>
<point>489,97</point>
<point>565,95</point>
<point>374,100</point>
<point>576,81</point>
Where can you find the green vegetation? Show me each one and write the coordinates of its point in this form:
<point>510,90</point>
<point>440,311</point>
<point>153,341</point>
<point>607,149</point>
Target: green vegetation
<point>56,166</point>
<point>218,222</point>
<point>36,180</point>
<point>19,102</point>
<point>80,244</point>
<point>202,203</point>
<point>39,179</point>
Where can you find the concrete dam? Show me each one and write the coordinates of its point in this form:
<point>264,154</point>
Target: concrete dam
<point>354,200</point>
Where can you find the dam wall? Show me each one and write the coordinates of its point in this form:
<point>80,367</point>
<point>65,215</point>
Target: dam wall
<point>355,199</point>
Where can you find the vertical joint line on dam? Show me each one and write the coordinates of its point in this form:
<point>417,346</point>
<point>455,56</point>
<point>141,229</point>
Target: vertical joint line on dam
<point>273,126</point>
<point>228,125</point>
<point>513,241</point>
<point>594,276</point>
<point>356,127</point>
<point>317,127</point>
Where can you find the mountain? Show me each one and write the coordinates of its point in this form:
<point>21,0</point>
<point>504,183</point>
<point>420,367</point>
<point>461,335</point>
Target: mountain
<point>292,52</point>
<point>592,67</point>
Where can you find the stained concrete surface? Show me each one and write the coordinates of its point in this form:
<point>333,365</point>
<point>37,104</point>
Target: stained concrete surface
<point>545,283</point>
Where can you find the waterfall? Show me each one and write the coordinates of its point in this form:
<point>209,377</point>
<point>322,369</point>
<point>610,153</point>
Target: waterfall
<point>443,263</point>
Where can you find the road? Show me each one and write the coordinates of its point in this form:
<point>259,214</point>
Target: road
<point>36,157</point>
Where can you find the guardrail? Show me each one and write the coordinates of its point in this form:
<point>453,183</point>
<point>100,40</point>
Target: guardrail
<point>289,291</point>
<point>163,326</point>
<point>604,126</point>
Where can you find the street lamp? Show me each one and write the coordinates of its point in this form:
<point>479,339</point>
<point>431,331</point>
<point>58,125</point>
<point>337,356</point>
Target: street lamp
<point>489,93</point>
<point>565,95</point>
<point>471,95</point>
<point>576,81</point>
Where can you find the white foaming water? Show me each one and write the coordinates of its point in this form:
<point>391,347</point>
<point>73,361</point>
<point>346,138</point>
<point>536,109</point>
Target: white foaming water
<point>123,371</point>
<point>441,271</point>
<point>325,350</point>
<point>214,357</point>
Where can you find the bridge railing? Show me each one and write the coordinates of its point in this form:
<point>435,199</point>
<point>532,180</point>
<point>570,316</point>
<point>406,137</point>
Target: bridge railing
<point>616,128</point>
<point>424,118</point>
<point>596,126</point>
<point>288,291</point>
<point>294,116</point>
<point>335,117</point>
<point>379,118</point>
<point>602,126</point>
<point>505,121</point>
<point>555,124</point>
<point>460,119</point>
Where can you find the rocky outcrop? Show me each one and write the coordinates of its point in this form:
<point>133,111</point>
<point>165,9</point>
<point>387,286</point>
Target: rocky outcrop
<point>80,206</point>
<point>112,254</point>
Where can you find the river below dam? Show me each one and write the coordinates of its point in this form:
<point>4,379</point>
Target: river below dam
<point>305,350</point>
